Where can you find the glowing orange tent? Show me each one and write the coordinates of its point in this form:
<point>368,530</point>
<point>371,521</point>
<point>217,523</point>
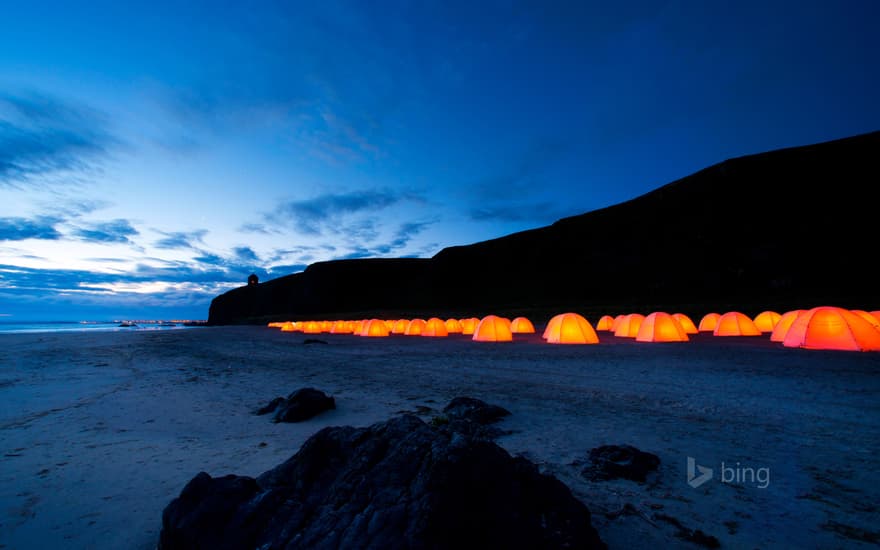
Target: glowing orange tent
<point>629,326</point>
<point>832,328</point>
<point>326,326</point>
<point>661,327</point>
<point>686,323</point>
<point>375,328</point>
<point>617,321</point>
<point>606,322</point>
<point>415,327</point>
<point>453,326</point>
<point>570,328</point>
<point>493,329</point>
<point>867,317</point>
<point>521,325</point>
<point>312,327</point>
<point>551,326</point>
<point>734,323</point>
<point>469,325</point>
<point>435,327</point>
<point>399,326</point>
<point>709,322</point>
<point>357,326</point>
<point>341,327</point>
<point>876,314</point>
<point>288,327</point>
<point>766,321</point>
<point>785,322</point>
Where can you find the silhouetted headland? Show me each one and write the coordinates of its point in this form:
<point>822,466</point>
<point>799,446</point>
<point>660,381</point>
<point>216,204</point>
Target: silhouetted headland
<point>784,229</point>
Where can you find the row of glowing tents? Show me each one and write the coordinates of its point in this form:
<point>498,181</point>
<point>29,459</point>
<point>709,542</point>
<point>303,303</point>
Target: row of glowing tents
<point>818,328</point>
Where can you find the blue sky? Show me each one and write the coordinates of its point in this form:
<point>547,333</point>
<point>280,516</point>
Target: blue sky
<point>152,155</point>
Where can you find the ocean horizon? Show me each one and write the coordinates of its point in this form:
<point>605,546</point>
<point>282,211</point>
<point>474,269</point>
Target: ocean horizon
<point>19,327</point>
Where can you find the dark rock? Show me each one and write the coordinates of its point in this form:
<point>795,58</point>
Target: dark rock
<point>270,407</point>
<point>310,341</point>
<point>698,537</point>
<point>303,404</point>
<point>215,501</point>
<point>474,410</point>
<point>620,461</point>
<point>396,484</point>
<point>691,535</point>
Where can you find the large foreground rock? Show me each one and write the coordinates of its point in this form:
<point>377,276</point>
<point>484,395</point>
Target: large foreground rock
<point>396,484</point>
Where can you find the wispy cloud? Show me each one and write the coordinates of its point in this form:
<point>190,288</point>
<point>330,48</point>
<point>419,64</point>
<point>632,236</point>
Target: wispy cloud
<point>181,239</point>
<point>287,269</point>
<point>543,212</point>
<point>257,228</point>
<point>19,229</point>
<point>246,255</point>
<point>400,240</point>
<point>45,137</point>
<point>525,175</point>
<point>313,216</point>
<point>72,208</point>
<point>115,231</point>
<point>402,237</point>
<point>513,194</point>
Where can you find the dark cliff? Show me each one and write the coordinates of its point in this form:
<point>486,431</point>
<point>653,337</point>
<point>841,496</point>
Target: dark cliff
<point>783,229</point>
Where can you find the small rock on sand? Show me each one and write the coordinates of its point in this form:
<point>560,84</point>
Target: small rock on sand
<point>620,461</point>
<point>300,405</point>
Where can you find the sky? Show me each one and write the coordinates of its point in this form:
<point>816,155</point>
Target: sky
<point>154,154</point>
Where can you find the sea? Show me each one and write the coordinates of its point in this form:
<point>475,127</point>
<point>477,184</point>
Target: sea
<point>7,327</point>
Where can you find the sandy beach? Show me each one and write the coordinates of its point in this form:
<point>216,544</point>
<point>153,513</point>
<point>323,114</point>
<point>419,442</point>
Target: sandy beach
<point>98,432</point>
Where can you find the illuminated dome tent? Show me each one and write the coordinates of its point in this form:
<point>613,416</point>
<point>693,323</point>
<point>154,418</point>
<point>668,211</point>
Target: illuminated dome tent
<point>867,317</point>
<point>312,327</point>
<point>453,326</point>
<point>686,323</point>
<point>551,325</point>
<point>785,322</point>
<point>734,323</point>
<point>341,327</point>
<point>435,327</point>
<point>570,328</point>
<point>766,321</point>
<point>606,322</point>
<point>876,315</point>
<point>521,325</point>
<point>629,326</point>
<point>326,326</point>
<point>469,325</point>
<point>493,329</point>
<point>375,328</point>
<point>617,321</point>
<point>289,327</point>
<point>661,327</point>
<point>357,326</point>
<point>832,328</point>
<point>399,326</point>
<point>415,327</point>
<point>709,322</point>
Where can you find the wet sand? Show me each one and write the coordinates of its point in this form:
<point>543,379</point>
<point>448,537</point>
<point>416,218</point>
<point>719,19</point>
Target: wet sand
<point>98,432</point>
